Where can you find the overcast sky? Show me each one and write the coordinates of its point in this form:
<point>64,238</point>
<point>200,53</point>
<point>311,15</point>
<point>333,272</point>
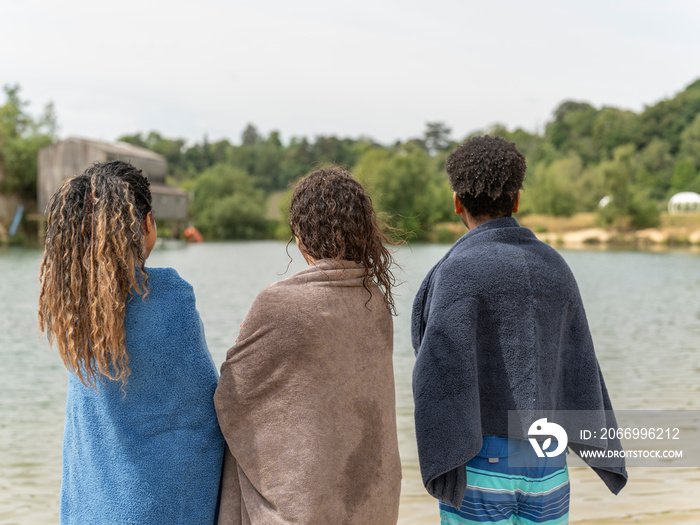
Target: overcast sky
<point>367,67</point>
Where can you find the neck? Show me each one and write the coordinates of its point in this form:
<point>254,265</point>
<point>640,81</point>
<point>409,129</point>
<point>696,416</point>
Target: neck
<point>472,222</point>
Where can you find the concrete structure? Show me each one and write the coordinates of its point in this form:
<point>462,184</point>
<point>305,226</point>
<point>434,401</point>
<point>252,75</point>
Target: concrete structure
<point>72,156</point>
<point>684,202</point>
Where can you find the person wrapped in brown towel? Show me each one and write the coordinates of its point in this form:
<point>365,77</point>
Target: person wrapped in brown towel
<point>306,395</point>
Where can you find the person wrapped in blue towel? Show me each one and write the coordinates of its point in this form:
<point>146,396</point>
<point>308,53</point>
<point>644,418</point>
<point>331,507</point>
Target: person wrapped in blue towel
<point>141,443</point>
<point>499,331</point>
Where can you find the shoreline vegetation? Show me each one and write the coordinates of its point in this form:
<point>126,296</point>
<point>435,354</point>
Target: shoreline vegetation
<point>634,162</point>
<point>583,231</point>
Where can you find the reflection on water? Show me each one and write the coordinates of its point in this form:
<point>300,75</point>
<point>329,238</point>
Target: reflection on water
<point>643,308</point>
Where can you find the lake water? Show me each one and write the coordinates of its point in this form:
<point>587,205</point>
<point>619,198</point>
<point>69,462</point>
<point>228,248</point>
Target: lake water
<point>643,309</point>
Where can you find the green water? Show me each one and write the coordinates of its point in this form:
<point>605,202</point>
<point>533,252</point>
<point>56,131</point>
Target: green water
<point>643,309</point>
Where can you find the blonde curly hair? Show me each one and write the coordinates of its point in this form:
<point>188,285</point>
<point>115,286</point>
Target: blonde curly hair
<point>93,263</point>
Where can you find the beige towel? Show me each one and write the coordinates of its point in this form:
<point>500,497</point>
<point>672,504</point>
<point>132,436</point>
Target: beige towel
<point>306,404</point>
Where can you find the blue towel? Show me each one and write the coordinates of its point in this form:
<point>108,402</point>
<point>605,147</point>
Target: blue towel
<point>498,325</point>
<point>153,453</point>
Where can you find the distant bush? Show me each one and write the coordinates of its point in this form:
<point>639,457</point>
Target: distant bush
<point>227,205</point>
<point>644,212</point>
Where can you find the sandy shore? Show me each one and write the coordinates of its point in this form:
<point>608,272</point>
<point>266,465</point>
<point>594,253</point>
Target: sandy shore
<point>651,238</point>
<point>581,231</point>
<point>652,496</point>
<point>657,496</point>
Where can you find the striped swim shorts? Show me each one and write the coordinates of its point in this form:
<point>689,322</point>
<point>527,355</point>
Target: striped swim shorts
<point>529,491</point>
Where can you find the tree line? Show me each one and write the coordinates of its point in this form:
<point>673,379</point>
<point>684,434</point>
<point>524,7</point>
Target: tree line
<point>241,189</point>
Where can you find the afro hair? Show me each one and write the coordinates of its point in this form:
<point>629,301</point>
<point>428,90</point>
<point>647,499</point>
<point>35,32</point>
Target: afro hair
<point>487,173</point>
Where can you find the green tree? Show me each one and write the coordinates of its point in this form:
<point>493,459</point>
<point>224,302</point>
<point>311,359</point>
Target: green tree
<point>297,159</point>
<point>655,167</point>
<point>553,188</point>
<point>612,128</point>
<point>406,188</point>
<point>684,175</point>
<point>227,205</point>
<point>573,121</point>
<point>667,119</point>
<point>267,157</point>
<point>21,138</point>
<point>584,154</point>
<point>630,205</point>
<point>172,149</point>
<point>436,136</point>
<point>250,136</point>
<point>690,141</point>
<point>332,150</point>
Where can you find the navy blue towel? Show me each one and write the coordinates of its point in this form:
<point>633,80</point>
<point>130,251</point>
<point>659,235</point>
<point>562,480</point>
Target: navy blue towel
<point>498,325</point>
<point>152,453</point>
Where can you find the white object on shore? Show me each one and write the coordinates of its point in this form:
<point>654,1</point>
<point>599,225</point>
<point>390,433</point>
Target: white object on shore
<point>684,202</point>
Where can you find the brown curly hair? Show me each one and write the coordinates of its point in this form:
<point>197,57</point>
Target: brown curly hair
<point>93,261</point>
<point>487,173</point>
<point>333,218</point>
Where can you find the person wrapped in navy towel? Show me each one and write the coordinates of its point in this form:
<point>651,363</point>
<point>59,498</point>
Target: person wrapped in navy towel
<point>499,329</point>
<point>141,443</point>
